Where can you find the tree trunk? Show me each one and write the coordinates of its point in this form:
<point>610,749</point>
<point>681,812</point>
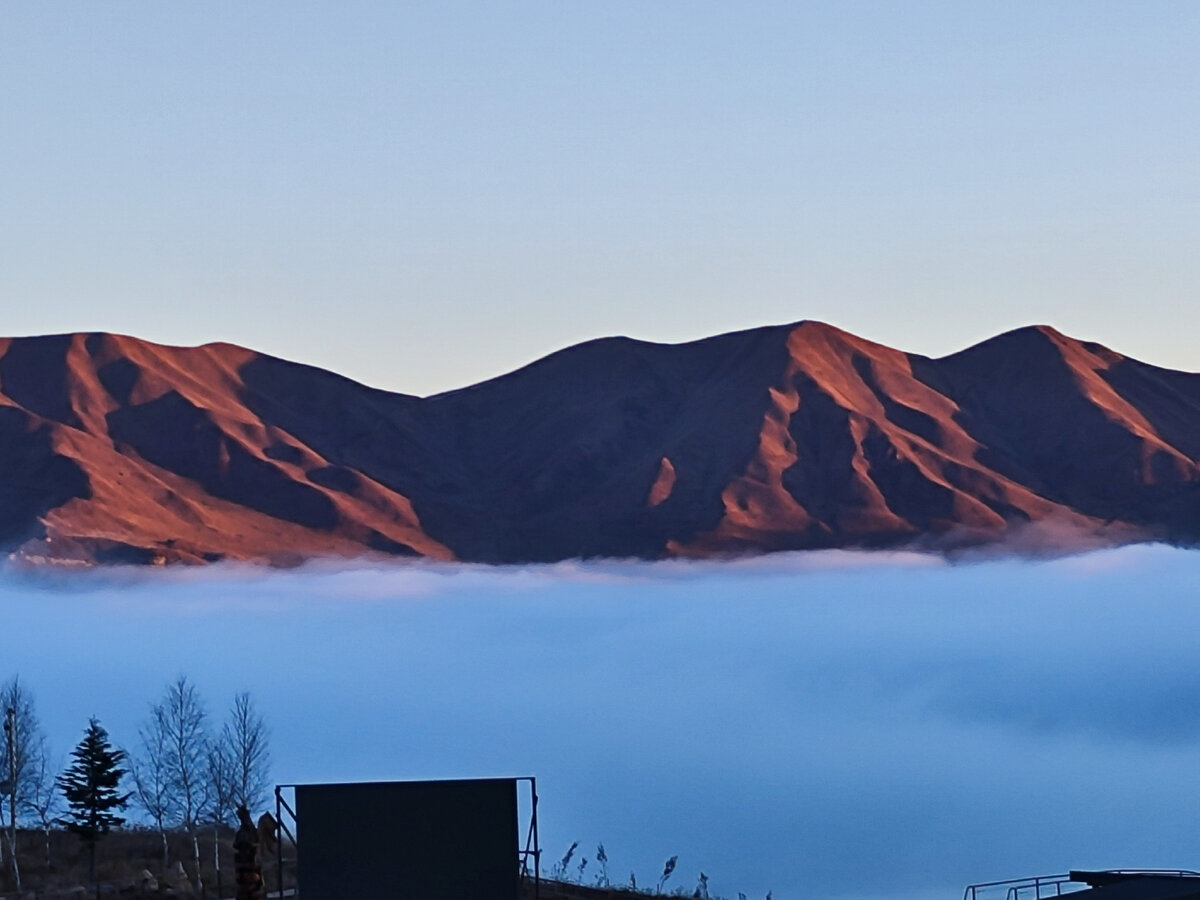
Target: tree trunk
<point>217,856</point>
<point>12,855</point>
<point>10,732</point>
<point>16,866</point>
<point>162,833</point>
<point>196,859</point>
<point>46,837</point>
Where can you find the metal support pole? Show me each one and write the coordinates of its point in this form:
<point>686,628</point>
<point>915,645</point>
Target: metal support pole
<point>279,838</point>
<point>537,846</point>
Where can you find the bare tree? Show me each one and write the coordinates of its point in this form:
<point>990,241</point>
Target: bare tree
<point>152,776</point>
<point>247,740</point>
<point>20,752</point>
<point>184,724</point>
<point>45,803</point>
<point>239,768</point>
<point>220,810</point>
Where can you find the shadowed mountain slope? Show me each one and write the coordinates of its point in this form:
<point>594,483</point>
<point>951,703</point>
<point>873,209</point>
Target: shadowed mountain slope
<point>797,436</point>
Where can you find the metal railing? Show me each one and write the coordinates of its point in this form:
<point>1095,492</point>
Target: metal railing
<point>533,848</point>
<point>282,806</point>
<point>1170,873</point>
<point>1039,887</point>
<point>1034,888</point>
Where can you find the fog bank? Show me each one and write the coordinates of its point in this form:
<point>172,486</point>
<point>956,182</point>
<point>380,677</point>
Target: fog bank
<point>828,724</point>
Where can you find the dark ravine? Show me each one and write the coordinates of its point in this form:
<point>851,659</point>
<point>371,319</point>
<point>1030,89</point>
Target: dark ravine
<point>114,449</point>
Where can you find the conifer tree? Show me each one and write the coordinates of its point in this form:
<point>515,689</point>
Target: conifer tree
<point>91,786</point>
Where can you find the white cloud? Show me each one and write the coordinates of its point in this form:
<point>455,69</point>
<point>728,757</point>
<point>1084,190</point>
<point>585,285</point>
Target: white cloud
<point>779,721</point>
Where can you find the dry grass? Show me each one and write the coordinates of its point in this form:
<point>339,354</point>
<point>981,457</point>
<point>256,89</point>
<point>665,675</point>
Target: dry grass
<point>120,859</point>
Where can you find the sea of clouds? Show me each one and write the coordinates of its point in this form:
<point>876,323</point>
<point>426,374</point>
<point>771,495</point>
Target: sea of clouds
<point>821,724</point>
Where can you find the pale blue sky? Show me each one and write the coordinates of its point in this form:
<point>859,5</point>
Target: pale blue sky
<point>424,195</point>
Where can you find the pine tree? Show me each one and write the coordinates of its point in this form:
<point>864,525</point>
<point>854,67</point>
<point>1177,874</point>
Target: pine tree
<point>91,785</point>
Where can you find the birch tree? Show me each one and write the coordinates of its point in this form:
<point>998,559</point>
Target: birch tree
<point>221,782</point>
<point>247,741</point>
<point>239,768</point>
<point>183,723</point>
<point>152,781</point>
<point>46,802</point>
<point>21,754</point>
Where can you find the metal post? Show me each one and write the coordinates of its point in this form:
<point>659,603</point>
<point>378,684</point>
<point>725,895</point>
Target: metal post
<point>532,847</point>
<point>537,845</point>
<point>279,838</point>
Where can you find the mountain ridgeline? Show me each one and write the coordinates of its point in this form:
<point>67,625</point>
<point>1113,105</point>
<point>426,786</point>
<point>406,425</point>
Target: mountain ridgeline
<point>114,449</point>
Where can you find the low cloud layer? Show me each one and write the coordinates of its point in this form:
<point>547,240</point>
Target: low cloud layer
<point>829,724</point>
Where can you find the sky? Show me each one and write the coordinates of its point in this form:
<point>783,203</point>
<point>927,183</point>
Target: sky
<point>842,725</point>
<point>424,195</point>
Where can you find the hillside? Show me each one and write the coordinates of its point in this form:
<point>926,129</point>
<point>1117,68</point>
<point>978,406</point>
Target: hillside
<point>788,437</point>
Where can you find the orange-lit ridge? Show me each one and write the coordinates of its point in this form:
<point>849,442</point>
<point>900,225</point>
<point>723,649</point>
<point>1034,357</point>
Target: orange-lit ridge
<point>788,437</point>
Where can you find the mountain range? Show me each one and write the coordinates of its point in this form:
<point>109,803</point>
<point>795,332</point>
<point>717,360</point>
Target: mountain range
<point>115,449</point>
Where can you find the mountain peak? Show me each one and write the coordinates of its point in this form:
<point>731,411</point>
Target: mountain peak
<point>784,437</point>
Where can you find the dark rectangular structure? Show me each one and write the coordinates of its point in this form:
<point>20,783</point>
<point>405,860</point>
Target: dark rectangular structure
<point>408,840</point>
